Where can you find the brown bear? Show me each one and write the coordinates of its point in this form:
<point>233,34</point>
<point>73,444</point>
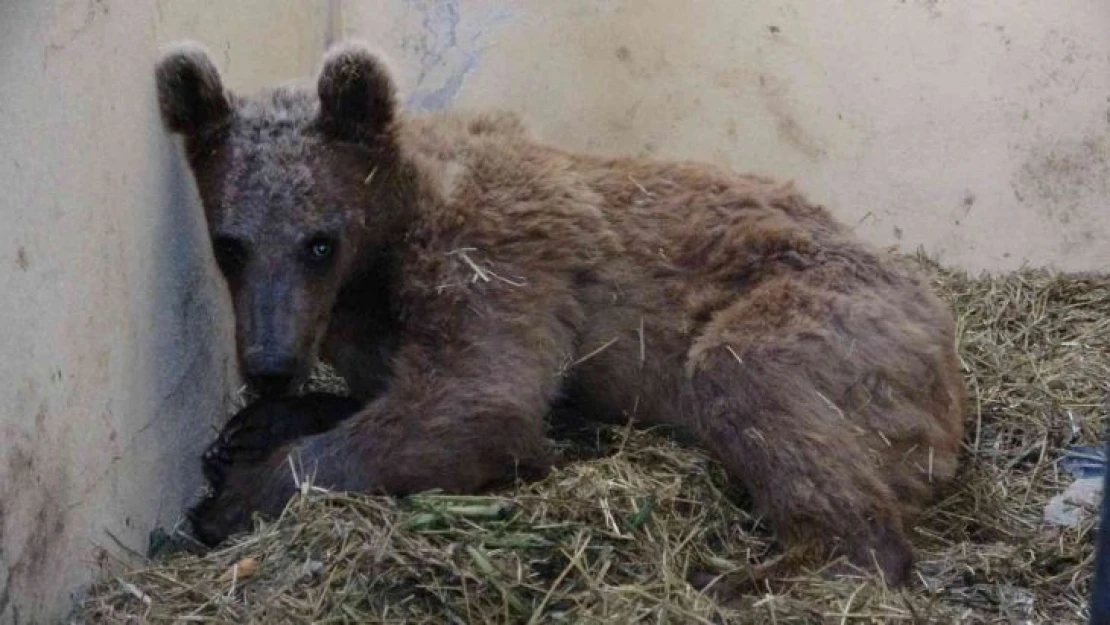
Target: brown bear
<point>464,276</point>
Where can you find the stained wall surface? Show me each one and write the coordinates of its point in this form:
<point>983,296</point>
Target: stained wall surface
<point>977,130</point>
<point>114,332</point>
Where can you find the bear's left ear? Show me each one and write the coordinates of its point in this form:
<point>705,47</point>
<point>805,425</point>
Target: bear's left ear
<point>357,96</point>
<point>190,92</point>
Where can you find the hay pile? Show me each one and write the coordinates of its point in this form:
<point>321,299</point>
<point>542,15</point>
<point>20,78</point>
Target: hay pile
<point>612,537</point>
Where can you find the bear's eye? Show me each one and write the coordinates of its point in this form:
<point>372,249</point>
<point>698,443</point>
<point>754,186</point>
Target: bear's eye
<point>320,249</point>
<point>230,253</point>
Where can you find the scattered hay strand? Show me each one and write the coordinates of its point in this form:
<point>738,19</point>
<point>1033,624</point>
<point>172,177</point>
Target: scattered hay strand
<point>614,536</point>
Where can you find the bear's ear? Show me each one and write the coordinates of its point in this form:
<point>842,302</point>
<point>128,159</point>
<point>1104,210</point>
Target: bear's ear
<point>190,92</point>
<point>357,96</point>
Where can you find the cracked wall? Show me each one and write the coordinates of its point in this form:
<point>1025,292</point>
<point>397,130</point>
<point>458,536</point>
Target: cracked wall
<point>979,131</point>
<point>118,353</point>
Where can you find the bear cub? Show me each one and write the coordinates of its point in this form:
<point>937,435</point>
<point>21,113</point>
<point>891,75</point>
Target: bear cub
<point>464,277</point>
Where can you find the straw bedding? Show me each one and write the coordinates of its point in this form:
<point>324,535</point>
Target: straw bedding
<point>613,535</point>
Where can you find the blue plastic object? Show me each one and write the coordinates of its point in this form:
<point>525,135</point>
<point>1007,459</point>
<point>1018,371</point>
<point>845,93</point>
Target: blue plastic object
<point>1085,461</point>
<point>1100,587</point>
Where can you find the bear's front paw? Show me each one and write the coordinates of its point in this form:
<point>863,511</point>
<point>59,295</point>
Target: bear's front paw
<point>216,518</point>
<point>324,460</point>
<point>257,431</point>
<point>245,489</point>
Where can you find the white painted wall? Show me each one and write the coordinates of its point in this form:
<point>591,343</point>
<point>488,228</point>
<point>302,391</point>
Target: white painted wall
<point>977,129</point>
<point>115,339</point>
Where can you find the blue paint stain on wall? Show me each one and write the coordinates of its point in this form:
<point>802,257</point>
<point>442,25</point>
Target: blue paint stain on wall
<point>446,56</point>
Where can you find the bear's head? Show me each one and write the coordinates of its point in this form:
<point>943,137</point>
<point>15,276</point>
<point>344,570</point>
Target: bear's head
<point>301,189</point>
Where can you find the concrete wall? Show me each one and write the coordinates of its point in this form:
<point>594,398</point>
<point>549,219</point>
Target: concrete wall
<point>115,337</point>
<point>979,130</point>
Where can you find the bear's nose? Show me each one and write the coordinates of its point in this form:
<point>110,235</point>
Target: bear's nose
<point>271,384</point>
<point>270,375</point>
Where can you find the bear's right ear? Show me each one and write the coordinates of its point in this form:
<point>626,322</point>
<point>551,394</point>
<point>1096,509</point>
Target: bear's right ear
<point>357,96</point>
<point>190,92</point>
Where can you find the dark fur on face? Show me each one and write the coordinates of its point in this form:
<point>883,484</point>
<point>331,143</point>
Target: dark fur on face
<point>283,178</point>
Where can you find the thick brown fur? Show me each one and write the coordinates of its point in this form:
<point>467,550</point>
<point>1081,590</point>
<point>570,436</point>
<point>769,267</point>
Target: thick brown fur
<point>479,275</point>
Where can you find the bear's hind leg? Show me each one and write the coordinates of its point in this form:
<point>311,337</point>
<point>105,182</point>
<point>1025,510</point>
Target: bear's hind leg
<point>808,467</point>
